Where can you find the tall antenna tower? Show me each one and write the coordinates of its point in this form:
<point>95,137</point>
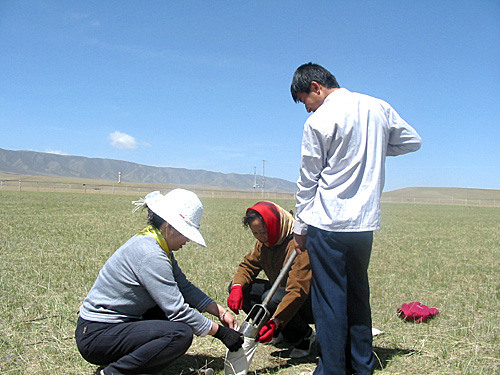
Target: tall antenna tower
<point>254,179</point>
<point>263,176</point>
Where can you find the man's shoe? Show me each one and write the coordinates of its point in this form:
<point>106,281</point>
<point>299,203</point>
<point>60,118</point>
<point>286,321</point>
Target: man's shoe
<point>303,348</point>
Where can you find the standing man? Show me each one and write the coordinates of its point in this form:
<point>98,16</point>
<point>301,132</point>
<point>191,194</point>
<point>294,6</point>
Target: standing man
<point>344,146</point>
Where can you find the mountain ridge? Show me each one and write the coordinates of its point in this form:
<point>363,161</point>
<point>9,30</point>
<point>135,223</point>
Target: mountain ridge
<point>35,163</point>
<point>40,164</point>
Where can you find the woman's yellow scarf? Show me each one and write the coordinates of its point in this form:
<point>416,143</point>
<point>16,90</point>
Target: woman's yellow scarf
<point>153,232</point>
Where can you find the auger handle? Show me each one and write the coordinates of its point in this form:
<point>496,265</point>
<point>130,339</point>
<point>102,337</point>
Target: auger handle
<point>280,277</point>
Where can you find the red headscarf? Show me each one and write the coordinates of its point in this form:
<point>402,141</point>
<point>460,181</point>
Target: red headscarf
<point>273,217</point>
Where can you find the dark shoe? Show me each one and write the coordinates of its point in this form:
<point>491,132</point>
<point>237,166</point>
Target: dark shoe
<point>303,348</point>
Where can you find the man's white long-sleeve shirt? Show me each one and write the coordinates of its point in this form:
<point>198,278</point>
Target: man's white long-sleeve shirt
<point>342,172</point>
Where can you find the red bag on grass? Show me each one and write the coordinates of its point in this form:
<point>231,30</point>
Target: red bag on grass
<point>416,312</point>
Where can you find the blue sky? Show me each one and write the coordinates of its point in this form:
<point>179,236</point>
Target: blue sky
<point>205,84</point>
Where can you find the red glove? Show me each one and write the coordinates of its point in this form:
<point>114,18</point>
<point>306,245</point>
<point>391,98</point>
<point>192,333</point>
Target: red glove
<point>266,333</point>
<point>235,299</point>
<point>416,312</point>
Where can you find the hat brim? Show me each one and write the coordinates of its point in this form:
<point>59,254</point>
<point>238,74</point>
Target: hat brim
<point>174,219</point>
<point>190,232</point>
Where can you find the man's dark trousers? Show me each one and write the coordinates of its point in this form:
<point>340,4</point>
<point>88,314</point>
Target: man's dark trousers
<point>341,300</point>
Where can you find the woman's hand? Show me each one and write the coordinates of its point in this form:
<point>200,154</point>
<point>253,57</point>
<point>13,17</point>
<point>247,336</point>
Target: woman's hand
<point>235,299</point>
<point>228,319</point>
<point>229,337</point>
<point>225,316</point>
<point>266,333</point>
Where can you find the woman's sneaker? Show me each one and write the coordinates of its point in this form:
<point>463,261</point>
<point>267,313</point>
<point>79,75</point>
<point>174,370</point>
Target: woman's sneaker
<point>276,340</point>
<point>303,348</point>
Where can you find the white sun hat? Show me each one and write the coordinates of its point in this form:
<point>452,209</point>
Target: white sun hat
<point>181,208</point>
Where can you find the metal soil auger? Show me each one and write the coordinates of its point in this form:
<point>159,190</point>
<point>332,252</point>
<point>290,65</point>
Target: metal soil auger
<point>238,363</point>
<point>259,314</point>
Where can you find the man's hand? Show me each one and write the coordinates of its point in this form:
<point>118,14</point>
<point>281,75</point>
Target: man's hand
<point>300,241</point>
<point>235,299</point>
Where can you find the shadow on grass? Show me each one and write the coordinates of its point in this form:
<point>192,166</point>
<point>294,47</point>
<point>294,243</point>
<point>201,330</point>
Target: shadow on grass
<point>280,357</point>
<point>384,355</point>
<point>191,364</point>
<point>195,364</point>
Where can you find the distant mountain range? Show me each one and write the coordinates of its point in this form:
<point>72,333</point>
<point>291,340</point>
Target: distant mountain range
<point>45,164</point>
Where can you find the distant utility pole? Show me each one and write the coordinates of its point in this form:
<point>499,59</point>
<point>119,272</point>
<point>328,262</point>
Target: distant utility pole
<point>254,179</point>
<point>263,176</point>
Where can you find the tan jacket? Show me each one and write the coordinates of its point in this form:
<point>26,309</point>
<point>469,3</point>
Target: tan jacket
<point>271,260</point>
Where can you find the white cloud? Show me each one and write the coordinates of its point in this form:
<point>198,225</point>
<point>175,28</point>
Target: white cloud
<point>57,152</point>
<point>123,141</point>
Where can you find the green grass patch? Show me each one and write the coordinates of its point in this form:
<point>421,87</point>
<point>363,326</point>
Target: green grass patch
<point>53,244</point>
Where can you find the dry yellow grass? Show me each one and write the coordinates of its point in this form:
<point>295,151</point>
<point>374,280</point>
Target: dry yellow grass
<point>53,244</point>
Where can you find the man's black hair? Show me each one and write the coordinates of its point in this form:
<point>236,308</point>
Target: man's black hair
<point>305,74</point>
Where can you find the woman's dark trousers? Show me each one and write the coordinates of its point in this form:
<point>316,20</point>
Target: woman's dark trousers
<point>138,347</point>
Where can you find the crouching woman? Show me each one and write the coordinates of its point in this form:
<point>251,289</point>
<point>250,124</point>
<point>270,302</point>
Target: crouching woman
<point>142,311</point>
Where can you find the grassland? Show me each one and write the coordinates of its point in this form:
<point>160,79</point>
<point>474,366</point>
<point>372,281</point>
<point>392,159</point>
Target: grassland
<point>425,195</point>
<point>53,244</point>
<point>440,195</point>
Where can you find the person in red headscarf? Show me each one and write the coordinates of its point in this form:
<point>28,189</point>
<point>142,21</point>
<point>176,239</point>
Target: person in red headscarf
<point>290,307</point>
